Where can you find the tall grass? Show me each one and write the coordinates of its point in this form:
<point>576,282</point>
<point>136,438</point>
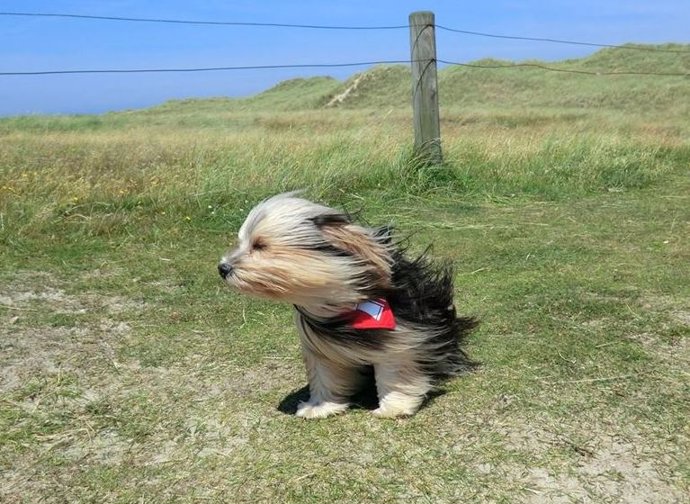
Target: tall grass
<point>48,168</point>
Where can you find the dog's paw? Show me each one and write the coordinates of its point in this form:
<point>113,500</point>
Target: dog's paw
<point>396,405</point>
<point>320,410</point>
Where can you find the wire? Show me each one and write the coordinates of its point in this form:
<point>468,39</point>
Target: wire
<point>339,65</point>
<point>205,69</point>
<point>326,27</point>
<point>558,41</point>
<point>331,65</point>
<point>192,22</point>
<point>564,70</point>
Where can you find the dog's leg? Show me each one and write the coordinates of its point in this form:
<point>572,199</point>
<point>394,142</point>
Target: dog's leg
<point>330,386</point>
<point>401,388</point>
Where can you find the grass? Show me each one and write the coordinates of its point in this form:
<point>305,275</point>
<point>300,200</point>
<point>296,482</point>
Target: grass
<point>129,374</point>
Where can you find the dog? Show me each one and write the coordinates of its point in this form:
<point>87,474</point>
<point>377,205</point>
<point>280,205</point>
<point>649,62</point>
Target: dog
<point>359,303</point>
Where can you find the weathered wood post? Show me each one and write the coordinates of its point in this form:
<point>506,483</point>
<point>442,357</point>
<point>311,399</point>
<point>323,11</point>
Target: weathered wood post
<point>427,128</point>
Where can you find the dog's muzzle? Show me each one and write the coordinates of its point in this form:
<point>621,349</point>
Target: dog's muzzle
<point>224,269</point>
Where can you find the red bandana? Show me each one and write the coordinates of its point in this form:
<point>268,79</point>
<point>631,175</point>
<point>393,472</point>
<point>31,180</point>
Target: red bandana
<point>373,314</point>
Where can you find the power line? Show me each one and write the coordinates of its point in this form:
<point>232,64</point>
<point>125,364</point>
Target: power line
<point>558,41</point>
<point>340,65</point>
<point>327,27</point>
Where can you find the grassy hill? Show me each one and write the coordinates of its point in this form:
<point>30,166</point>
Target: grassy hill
<point>469,90</point>
<point>513,86</point>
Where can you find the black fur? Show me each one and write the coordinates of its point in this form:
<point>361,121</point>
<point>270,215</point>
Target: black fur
<point>337,329</point>
<point>327,248</point>
<point>422,295</point>
<point>331,219</point>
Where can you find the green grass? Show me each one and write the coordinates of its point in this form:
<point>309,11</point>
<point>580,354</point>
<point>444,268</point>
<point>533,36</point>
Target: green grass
<point>128,373</point>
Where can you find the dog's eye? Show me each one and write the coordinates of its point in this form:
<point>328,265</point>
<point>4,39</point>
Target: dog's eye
<point>258,245</point>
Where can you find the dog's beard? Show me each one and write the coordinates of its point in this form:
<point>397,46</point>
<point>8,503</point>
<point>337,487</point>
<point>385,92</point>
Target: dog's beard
<point>307,281</point>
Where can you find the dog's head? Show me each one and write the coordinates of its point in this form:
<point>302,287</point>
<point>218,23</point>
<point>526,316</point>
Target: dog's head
<point>293,250</point>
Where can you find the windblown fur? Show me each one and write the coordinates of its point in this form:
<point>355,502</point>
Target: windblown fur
<point>318,259</point>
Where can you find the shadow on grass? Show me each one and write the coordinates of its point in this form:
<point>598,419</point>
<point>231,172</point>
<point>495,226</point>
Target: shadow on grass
<point>365,399</point>
<point>288,404</point>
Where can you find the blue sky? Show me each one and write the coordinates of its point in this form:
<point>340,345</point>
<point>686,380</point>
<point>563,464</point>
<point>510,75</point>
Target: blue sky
<point>32,44</point>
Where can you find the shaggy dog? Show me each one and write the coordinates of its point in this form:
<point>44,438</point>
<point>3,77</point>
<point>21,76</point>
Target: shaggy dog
<point>359,304</point>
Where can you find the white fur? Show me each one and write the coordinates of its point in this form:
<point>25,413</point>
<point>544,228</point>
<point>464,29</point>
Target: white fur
<point>333,374</point>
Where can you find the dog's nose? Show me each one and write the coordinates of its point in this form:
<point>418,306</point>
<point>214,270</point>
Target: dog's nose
<point>224,269</point>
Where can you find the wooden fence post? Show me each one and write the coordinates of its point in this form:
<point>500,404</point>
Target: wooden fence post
<point>427,128</point>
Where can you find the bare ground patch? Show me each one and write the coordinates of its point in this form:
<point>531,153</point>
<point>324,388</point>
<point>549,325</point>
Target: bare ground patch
<point>33,348</point>
<point>76,409</point>
<point>614,465</point>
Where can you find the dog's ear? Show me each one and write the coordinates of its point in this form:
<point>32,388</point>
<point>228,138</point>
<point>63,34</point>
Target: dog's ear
<point>341,233</point>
